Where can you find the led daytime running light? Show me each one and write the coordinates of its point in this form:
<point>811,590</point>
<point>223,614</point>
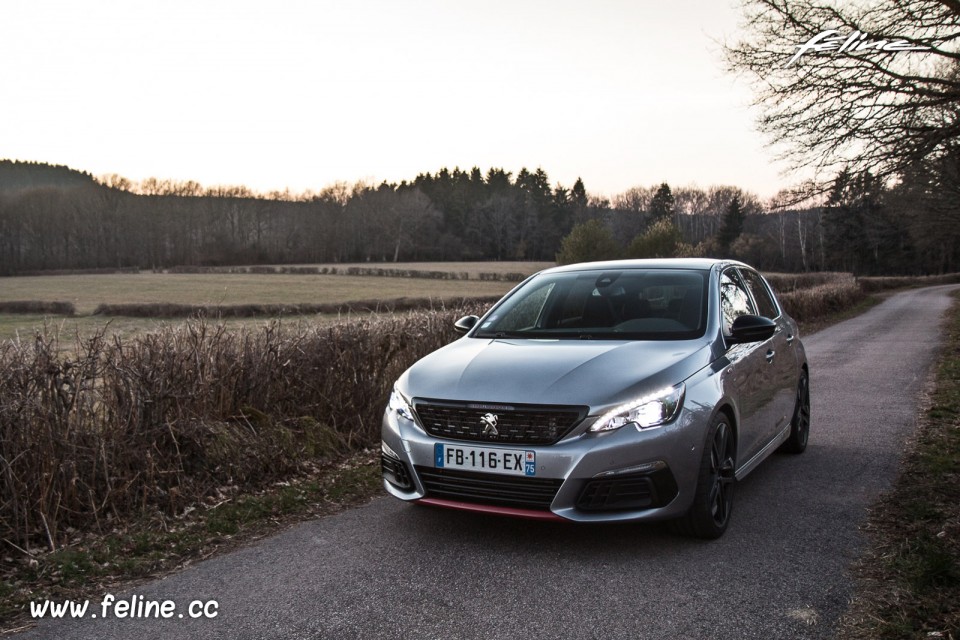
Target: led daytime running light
<point>401,405</point>
<point>604,423</point>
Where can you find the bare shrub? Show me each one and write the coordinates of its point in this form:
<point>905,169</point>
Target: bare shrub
<point>78,272</point>
<point>872,285</point>
<point>785,282</point>
<point>815,302</point>
<point>500,277</point>
<point>38,307</point>
<point>173,310</point>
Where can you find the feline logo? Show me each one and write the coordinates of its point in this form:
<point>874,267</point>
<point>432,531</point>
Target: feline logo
<point>834,41</point>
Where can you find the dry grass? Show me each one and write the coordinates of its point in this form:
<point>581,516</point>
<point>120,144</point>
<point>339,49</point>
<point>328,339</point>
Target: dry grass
<point>148,548</point>
<point>112,429</point>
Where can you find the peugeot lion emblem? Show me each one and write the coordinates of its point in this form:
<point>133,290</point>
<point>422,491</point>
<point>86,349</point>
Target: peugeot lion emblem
<point>489,422</point>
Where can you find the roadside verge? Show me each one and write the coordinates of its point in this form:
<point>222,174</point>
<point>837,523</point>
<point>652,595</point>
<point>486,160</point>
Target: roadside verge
<point>908,580</point>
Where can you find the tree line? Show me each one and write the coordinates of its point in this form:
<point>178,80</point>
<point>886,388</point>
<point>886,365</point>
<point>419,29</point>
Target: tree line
<point>53,219</point>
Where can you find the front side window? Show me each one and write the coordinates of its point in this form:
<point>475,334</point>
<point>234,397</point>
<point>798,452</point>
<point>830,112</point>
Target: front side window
<point>528,310</point>
<point>765,304</point>
<point>734,299</point>
<point>630,304</point>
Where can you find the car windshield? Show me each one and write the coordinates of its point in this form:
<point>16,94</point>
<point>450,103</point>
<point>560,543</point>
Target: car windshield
<point>625,304</point>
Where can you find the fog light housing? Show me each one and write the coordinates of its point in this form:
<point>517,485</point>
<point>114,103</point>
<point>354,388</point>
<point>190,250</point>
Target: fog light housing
<point>393,469</point>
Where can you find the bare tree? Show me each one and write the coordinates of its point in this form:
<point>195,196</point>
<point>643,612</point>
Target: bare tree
<point>854,85</point>
<point>632,207</point>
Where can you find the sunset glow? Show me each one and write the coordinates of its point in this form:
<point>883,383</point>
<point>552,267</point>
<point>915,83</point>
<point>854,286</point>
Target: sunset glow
<point>302,94</point>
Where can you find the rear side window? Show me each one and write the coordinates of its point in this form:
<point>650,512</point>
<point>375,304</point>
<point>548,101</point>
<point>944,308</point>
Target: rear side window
<point>766,307</point>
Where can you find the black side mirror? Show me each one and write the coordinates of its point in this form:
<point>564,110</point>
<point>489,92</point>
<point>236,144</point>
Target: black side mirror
<point>751,329</point>
<point>464,324</point>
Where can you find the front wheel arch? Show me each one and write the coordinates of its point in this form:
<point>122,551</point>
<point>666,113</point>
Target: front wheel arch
<point>709,513</point>
<point>728,411</point>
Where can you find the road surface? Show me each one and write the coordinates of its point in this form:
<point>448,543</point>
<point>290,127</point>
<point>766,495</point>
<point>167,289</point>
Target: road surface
<point>392,570</point>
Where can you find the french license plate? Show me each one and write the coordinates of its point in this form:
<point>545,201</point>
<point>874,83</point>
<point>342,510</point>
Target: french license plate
<point>515,462</point>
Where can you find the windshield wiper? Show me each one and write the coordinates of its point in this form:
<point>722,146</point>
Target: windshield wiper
<point>496,335</point>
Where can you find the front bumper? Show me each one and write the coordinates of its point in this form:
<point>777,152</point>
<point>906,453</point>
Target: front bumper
<point>623,475</point>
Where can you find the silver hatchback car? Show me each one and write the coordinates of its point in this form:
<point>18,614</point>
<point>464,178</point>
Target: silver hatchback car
<point>607,391</point>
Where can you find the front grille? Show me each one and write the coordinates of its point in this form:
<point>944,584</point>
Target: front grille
<point>515,424</point>
<point>487,488</point>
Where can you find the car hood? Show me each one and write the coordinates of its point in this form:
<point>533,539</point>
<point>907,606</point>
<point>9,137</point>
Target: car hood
<point>572,372</point>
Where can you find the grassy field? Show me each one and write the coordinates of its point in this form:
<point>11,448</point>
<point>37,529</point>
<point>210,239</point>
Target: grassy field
<point>88,291</point>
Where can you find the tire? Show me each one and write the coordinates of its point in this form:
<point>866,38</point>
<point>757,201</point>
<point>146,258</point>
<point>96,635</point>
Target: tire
<point>800,424</point>
<point>709,514</point>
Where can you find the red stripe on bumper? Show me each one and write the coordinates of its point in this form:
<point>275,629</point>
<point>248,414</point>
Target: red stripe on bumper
<point>529,514</point>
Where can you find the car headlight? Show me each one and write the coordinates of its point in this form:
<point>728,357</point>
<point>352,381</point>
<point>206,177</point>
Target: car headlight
<point>652,410</point>
<point>400,405</point>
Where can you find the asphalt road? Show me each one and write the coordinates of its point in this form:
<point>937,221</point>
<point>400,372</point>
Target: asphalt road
<point>391,570</point>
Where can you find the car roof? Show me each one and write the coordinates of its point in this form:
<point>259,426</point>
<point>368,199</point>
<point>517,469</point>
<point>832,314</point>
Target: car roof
<point>699,264</point>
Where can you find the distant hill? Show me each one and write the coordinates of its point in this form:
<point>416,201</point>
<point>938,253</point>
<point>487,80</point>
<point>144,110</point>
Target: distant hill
<point>16,176</point>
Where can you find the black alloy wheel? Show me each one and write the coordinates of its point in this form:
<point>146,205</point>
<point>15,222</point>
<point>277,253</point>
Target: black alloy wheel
<point>800,424</point>
<point>721,476</point>
<point>709,515</point>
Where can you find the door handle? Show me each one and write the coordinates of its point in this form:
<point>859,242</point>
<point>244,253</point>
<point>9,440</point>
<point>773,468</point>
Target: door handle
<point>790,338</point>
<point>770,355</point>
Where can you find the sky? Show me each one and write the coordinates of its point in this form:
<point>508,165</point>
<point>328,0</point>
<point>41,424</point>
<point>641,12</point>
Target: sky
<point>299,95</point>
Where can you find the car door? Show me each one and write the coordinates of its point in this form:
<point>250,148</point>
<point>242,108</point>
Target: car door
<point>745,374</point>
<point>781,357</point>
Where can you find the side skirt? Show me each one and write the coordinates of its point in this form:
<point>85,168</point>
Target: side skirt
<point>752,463</point>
